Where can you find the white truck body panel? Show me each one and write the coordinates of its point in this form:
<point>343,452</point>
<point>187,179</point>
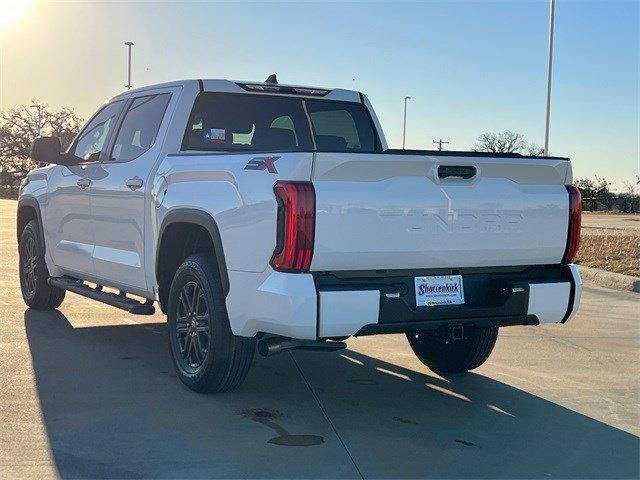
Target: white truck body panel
<point>242,204</point>
<point>344,313</point>
<point>380,211</point>
<point>68,230</point>
<point>548,301</point>
<point>273,302</point>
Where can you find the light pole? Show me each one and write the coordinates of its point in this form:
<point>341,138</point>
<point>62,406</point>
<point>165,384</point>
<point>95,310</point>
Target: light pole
<point>128,85</point>
<point>552,10</point>
<point>404,128</point>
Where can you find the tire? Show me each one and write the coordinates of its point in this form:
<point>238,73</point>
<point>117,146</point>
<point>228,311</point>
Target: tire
<point>443,355</point>
<point>34,275</point>
<point>207,357</point>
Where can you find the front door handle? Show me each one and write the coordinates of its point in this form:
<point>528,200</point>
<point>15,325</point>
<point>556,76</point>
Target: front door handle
<point>83,183</point>
<point>134,183</point>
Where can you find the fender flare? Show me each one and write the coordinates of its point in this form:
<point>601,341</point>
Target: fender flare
<point>205,220</point>
<point>32,202</point>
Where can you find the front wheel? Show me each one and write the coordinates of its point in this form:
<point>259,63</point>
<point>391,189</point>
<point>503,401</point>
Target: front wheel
<point>34,275</point>
<point>207,356</point>
<point>444,355</point>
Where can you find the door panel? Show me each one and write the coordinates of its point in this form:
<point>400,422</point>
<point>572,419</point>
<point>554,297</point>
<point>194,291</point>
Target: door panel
<point>118,223</point>
<point>68,226</point>
<point>119,200</point>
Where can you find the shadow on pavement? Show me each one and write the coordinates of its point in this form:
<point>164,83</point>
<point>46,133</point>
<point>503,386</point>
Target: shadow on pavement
<point>113,407</point>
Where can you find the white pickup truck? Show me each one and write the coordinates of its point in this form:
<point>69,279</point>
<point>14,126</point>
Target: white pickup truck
<point>270,215</point>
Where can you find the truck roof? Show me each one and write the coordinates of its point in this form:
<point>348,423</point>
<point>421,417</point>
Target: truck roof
<point>241,86</point>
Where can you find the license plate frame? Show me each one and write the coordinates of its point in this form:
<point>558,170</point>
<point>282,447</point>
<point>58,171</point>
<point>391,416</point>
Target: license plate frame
<point>439,290</point>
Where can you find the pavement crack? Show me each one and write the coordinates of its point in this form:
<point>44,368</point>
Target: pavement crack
<point>326,415</point>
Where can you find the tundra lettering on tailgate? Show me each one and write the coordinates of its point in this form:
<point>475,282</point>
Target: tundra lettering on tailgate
<point>420,220</point>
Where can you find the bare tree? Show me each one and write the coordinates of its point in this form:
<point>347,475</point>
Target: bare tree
<point>534,150</point>
<point>631,187</point>
<point>503,142</point>
<point>21,125</point>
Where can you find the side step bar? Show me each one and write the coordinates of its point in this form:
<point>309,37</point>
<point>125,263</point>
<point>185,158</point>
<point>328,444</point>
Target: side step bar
<point>113,299</point>
<point>272,345</point>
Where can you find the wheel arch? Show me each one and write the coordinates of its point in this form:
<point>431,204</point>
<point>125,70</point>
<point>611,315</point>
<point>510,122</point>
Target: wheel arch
<point>187,218</point>
<point>29,209</point>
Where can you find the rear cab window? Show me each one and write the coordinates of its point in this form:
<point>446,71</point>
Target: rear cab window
<point>140,127</point>
<point>221,121</point>
<point>254,122</point>
<point>341,126</point>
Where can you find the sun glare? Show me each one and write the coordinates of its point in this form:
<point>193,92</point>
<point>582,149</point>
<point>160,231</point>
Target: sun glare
<point>11,10</point>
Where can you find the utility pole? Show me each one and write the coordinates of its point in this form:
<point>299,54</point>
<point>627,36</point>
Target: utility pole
<point>440,143</point>
<point>552,10</point>
<point>128,85</point>
<point>404,128</point>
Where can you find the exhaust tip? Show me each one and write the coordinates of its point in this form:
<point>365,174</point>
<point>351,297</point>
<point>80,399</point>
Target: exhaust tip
<point>273,345</point>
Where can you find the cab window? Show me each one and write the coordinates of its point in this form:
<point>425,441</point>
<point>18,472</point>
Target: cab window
<point>341,126</point>
<point>93,137</point>
<point>140,127</point>
<point>227,121</point>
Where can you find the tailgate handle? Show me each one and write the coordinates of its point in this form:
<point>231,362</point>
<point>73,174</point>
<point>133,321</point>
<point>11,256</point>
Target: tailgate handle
<point>462,171</point>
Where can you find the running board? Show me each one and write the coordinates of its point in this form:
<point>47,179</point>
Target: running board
<point>119,301</point>
<point>272,345</point>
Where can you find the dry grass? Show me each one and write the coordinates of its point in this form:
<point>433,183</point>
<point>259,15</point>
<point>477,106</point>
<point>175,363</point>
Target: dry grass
<point>615,251</point>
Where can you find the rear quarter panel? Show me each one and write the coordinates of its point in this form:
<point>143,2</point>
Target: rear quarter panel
<point>240,200</point>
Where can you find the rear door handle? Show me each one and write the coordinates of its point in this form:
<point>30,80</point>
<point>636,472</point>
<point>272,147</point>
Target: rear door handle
<point>83,183</point>
<point>134,183</point>
<point>461,171</point>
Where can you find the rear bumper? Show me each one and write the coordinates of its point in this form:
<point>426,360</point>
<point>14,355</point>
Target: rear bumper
<point>337,304</point>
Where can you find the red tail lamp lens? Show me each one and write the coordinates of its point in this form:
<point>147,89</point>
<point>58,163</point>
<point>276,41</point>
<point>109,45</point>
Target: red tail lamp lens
<point>296,226</point>
<point>575,220</point>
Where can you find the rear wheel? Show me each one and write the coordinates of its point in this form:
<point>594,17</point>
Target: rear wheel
<point>206,355</point>
<point>34,275</point>
<point>443,355</point>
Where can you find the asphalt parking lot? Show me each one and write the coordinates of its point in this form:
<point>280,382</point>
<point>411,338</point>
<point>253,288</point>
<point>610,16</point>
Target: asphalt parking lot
<point>89,391</point>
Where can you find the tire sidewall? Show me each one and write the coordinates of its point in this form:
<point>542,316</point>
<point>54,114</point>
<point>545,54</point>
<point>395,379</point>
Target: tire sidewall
<point>31,231</point>
<point>455,356</point>
<point>197,268</point>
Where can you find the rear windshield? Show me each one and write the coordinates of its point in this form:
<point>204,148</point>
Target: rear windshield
<point>227,121</point>
<point>341,126</point>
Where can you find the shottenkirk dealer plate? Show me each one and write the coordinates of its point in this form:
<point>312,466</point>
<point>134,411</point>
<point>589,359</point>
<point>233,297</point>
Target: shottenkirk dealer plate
<point>439,290</point>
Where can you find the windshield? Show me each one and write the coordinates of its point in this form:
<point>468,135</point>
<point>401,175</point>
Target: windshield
<point>228,121</point>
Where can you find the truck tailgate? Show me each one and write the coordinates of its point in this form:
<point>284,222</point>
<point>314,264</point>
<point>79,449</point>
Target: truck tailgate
<point>411,211</point>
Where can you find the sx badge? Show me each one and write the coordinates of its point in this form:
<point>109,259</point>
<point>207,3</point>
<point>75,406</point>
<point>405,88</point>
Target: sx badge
<point>262,163</point>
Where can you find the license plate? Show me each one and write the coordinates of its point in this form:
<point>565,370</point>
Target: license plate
<point>439,290</point>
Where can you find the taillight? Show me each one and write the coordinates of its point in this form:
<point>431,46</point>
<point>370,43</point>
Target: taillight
<point>575,219</point>
<point>296,225</point>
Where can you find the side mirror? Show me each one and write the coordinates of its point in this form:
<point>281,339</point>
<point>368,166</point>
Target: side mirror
<point>47,150</point>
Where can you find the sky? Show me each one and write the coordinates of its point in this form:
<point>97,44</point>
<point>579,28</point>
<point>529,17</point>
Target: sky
<point>470,67</point>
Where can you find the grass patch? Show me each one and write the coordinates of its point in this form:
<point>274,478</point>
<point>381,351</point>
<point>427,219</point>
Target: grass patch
<point>614,251</point>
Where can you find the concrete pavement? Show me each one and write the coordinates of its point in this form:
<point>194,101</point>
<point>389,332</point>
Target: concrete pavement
<point>89,391</point>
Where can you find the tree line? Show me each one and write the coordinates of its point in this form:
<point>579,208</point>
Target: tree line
<point>21,125</point>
